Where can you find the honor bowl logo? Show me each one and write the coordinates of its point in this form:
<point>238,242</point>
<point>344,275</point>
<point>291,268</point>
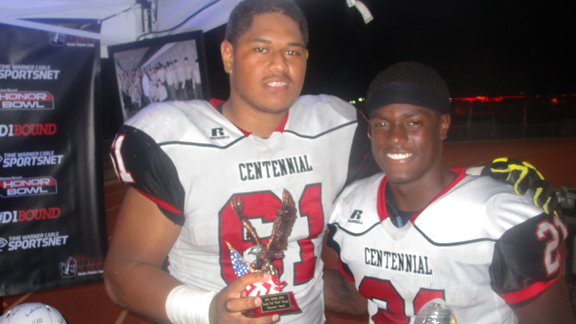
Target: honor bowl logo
<point>69,268</point>
<point>26,100</point>
<point>81,266</point>
<point>10,187</point>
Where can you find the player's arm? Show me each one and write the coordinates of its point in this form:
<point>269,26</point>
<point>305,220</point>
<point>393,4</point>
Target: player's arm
<point>340,293</point>
<point>134,278</point>
<point>552,306</point>
<point>133,274</point>
<point>341,296</point>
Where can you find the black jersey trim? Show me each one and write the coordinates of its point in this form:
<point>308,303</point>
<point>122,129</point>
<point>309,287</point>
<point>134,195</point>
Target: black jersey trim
<point>356,234</point>
<point>452,244</point>
<point>244,137</point>
<point>323,133</point>
<point>201,144</point>
<point>331,242</point>
<point>153,171</point>
<point>421,232</point>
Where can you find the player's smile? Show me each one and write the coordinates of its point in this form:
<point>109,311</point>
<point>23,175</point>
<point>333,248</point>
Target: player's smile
<point>277,83</point>
<point>398,156</point>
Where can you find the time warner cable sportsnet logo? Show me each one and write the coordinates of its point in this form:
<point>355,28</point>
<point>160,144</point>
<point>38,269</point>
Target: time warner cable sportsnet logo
<point>27,129</point>
<point>3,243</point>
<point>20,187</point>
<point>26,100</point>
<point>35,241</point>
<point>30,159</point>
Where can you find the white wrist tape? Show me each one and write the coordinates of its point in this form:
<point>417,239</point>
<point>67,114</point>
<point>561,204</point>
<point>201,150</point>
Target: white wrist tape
<point>187,305</point>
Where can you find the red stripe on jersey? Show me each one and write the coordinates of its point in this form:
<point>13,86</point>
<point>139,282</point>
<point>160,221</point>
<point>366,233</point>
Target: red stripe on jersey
<point>344,273</point>
<point>525,294</point>
<point>215,102</point>
<point>280,127</point>
<point>381,204</point>
<point>162,204</point>
<point>381,200</point>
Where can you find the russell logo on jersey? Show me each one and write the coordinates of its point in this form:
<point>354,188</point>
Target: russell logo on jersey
<point>355,217</point>
<point>218,134</point>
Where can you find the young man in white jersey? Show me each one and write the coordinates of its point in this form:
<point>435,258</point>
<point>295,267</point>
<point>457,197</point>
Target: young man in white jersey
<point>420,231</point>
<point>187,161</point>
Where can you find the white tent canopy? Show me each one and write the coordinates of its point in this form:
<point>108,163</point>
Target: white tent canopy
<point>121,19</point>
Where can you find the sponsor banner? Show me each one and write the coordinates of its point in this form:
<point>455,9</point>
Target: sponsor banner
<point>27,130</point>
<point>29,215</point>
<point>18,187</point>
<point>27,72</point>
<point>26,100</point>
<point>3,243</point>
<point>52,220</point>
<point>36,241</point>
<point>30,159</point>
<point>81,266</point>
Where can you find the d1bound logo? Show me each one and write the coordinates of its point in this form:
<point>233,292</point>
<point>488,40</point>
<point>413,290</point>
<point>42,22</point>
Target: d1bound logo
<point>10,188</point>
<point>27,130</point>
<point>29,215</point>
<point>26,100</point>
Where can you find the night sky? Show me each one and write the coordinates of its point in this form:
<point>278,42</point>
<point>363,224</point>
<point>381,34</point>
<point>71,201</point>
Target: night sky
<point>481,48</point>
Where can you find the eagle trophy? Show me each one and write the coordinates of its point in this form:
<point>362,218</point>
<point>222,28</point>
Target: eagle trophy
<point>278,241</point>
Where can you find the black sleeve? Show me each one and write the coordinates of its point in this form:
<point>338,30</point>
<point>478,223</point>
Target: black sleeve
<point>526,258</point>
<point>148,169</point>
<point>336,247</point>
<point>362,163</point>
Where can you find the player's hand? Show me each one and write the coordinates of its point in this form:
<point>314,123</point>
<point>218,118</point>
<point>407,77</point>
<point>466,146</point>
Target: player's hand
<point>228,304</point>
<point>523,176</point>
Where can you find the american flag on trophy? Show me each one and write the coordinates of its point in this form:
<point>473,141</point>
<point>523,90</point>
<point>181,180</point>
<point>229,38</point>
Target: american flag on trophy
<point>241,266</point>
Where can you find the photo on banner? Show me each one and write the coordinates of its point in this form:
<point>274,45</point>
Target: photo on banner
<point>161,69</point>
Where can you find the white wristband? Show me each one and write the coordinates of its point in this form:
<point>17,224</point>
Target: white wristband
<point>187,305</point>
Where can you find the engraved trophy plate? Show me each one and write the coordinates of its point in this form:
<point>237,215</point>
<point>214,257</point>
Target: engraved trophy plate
<point>273,301</point>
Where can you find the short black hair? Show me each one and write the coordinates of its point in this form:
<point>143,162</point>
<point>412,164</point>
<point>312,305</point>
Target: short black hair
<point>411,72</point>
<point>242,16</point>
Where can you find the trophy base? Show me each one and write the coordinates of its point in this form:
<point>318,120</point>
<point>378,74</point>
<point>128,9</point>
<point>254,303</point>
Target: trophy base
<point>274,304</point>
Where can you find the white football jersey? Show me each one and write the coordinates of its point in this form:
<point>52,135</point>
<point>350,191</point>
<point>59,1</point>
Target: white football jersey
<point>477,245</point>
<point>192,162</point>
